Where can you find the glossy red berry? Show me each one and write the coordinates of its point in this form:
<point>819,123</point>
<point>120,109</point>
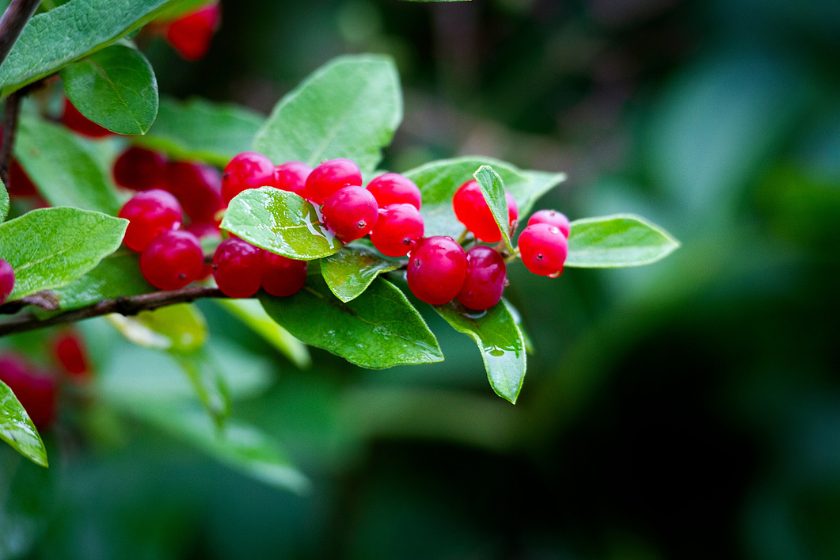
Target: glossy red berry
<point>190,35</point>
<point>7,280</point>
<point>198,187</point>
<point>140,169</point>
<point>149,214</point>
<point>282,277</point>
<point>70,354</point>
<point>436,270</point>
<point>292,176</point>
<point>552,218</point>
<point>204,230</point>
<point>543,249</point>
<point>472,210</point>
<point>238,267</point>
<point>172,260</point>
<point>331,176</point>
<point>485,279</point>
<point>77,122</point>
<point>351,213</point>
<point>35,390</point>
<point>248,170</point>
<point>393,188</point>
<point>398,227</point>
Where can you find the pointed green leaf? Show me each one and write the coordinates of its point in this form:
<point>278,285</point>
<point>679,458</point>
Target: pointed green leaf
<point>116,275</point>
<point>115,88</point>
<point>51,247</point>
<point>17,429</point>
<point>280,222</point>
<point>349,108</point>
<point>493,190</point>
<point>499,340</point>
<point>377,330</point>
<point>348,273</point>
<point>617,241</point>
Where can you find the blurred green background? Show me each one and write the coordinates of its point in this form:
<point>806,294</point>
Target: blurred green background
<point>689,409</point>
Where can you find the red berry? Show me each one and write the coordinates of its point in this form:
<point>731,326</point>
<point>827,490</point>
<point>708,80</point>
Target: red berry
<point>472,210</point>
<point>140,169</point>
<point>35,390</point>
<point>351,213</point>
<point>19,182</point>
<point>436,270</point>
<point>329,177</point>
<point>292,176</point>
<point>513,208</point>
<point>172,260</point>
<point>543,249</point>
<point>238,267</point>
<point>248,170</point>
<point>552,218</point>
<point>398,227</point>
<point>282,277</point>
<point>198,187</point>
<point>7,280</point>
<point>204,229</point>
<point>70,354</point>
<point>149,213</point>
<point>393,188</point>
<point>77,122</point>
<point>190,35</point>
<point>485,280</point>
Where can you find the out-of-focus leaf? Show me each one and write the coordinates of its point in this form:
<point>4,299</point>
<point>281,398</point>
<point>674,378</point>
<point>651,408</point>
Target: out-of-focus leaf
<point>208,383</point>
<point>617,241</point>
<point>179,329</point>
<point>348,273</point>
<point>349,108</point>
<point>17,429</point>
<point>493,190</point>
<point>116,275</point>
<point>378,329</point>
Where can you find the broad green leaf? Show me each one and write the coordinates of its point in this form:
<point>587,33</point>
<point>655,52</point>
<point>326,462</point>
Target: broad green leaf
<point>208,383</point>
<point>54,39</point>
<point>201,130</point>
<point>348,273</point>
<point>280,222</point>
<point>17,429</point>
<point>116,275</point>
<point>349,108</point>
<point>180,329</point>
<point>65,173</point>
<point>4,202</point>
<point>499,339</point>
<point>493,190</point>
<point>115,88</point>
<point>251,313</point>
<point>377,330</point>
<point>617,241</point>
<point>51,247</point>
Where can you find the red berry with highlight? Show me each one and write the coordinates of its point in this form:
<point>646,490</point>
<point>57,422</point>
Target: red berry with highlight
<point>543,249</point>
<point>472,210</point>
<point>552,218</point>
<point>172,260</point>
<point>77,122</point>
<point>351,213</point>
<point>485,279</point>
<point>149,214</point>
<point>436,270</point>
<point>330,177</point>
<point>393,188</point>
<point>291,177</point>
<point>282,277</point>
<point>238,268</point>
<point>35,390</point>
<point>198,187</point>
<point>248,170</point>
<point>398,227</point>
<point>190,35</point>
<point>70,354</point>
<point>140,169</point>
<point>7,280</point>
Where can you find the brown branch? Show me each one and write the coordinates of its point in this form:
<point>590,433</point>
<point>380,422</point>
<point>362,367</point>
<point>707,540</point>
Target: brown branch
<point>10,122</point>
<point>125,305</point>
<point>12,24</point>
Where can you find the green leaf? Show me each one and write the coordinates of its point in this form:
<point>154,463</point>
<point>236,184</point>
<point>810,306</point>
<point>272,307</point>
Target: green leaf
<point>378,329</point>
<point>65,172</point>
<point>52,40</point>
<point>180,329</point>
<point>201,130</point>
<point>208,383</point>
<point>4,202</point>
<point>349,108</point>
<point>51,247</point>
<point>280,222</point>
<point>493,190</point>
<point>17,429</point>
<point>617,241</point>
<point>499,339</point>
<point>115,88</point>
<point>348,273</point>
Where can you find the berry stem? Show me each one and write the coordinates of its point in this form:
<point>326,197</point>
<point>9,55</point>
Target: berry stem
<point>463,236</point>
<point>13,22</point>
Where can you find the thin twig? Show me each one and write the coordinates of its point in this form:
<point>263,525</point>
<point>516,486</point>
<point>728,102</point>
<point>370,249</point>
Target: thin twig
<point>10,122</point>
<point>12,24</point>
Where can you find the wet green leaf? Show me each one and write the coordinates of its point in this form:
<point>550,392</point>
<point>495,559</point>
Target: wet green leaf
<point>348,108</point>
<point>116,275</point>
<point>51,247</point>
<point>378,329</point>
<point>499,340</point>
<point>493,190</point>
<point>617,241</point>
<point>348,273</point>
<point>17,429</point>
<point>280,222</point>
<point>115,88</point>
